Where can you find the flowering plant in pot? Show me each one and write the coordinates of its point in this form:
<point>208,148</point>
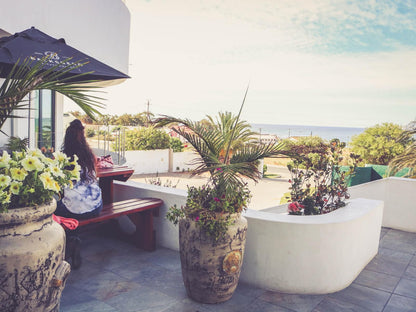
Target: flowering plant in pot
<point>211,228</point>
<point>318,183</point>
<point>33,271</point>
<point>29,178</point>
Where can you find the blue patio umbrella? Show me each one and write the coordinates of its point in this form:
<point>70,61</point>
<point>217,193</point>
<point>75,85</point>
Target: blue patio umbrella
<point>34,44</point>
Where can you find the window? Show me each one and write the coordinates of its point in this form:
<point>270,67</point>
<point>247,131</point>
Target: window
<point>44,118</point>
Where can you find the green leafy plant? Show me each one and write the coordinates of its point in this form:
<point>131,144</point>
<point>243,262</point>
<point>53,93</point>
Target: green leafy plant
<point>146,138</point>
<point>176,145</point>
<point>407,159</point>
<point>228,156</point>
<point>379,144</point>
<point>16,144</point>
<point>29,178</point>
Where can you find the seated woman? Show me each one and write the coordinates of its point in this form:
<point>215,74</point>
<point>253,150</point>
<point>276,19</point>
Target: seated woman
<point>84,200</point>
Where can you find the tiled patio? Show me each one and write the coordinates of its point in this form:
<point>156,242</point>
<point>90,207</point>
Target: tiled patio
<point>115,276</point>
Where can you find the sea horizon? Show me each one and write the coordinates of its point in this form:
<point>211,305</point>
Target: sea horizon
<point>344,134</point>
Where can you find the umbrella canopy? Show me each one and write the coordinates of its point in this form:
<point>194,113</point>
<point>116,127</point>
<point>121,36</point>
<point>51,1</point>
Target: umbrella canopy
<point>34,44</point>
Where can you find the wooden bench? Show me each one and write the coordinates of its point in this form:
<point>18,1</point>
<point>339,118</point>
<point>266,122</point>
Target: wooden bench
<point>140,211</point>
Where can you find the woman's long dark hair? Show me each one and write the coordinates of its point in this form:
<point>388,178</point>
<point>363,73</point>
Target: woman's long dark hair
<point>75,144</point>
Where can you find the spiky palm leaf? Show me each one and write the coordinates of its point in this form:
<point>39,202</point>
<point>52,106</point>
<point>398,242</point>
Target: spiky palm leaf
<point>29,76</point>
<point>408,158</point>
<point>224,148</point>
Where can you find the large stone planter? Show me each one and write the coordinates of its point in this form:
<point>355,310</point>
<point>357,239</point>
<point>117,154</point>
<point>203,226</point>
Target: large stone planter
<point>32,267</point>
<point>210,269</point>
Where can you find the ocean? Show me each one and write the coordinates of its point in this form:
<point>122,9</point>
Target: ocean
<point>344,134</point>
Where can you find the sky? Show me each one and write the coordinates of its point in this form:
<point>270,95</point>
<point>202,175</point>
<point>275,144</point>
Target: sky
<point>329,63</point>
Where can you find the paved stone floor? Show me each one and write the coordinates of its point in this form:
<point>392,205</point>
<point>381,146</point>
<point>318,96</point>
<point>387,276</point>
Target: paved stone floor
<point>116,276</point>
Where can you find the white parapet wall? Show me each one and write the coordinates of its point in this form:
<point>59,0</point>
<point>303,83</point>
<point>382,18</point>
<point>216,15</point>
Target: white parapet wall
<point>311,254</point>
<point>154,161</point>
<point>182,161</point>
<point>399,196</point>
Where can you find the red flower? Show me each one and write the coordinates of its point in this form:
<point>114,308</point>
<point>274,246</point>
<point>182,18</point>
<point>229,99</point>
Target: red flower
<point>197,219</point>
<point>216,199</point>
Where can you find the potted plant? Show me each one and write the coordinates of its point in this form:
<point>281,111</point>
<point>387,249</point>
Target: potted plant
<point>319,184</point>
<point>212,231</point>
<point>33,270</point>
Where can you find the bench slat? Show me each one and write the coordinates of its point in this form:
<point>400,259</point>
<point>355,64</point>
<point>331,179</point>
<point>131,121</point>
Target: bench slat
<point>124,207</point>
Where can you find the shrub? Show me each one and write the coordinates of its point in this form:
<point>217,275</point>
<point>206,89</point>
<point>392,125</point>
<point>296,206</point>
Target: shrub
<point>176,145</point>
<point>147,139</point>
<point>378,145</point>
<point>89,133</point>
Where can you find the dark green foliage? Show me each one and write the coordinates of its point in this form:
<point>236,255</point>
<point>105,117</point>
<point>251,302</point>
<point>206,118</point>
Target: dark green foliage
<point>147,139</point>
<point>16,144</point>
<point>89,133</point>
<point>380,144</point>
<point>176,145</point>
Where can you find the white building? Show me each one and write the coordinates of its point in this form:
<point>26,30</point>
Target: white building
<point>98,28</point>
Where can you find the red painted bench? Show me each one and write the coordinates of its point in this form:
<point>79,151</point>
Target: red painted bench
<point>140,211</point>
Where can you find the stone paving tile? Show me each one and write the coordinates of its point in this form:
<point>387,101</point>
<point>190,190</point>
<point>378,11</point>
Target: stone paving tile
<point>383,232</point>
<point>410,272</point>
<point>91,306</point>
<point>406,288</point>
<point>248,290</point>
<point>413,262</point>
<point>74,295</point>
<point>263,306</point>
<point>377,280</point>
<point>106,285</point>
<point>143,299</point>
<point>400,304</point>
<point>399,241</point>
<point>365,297</point>
<point>331,304</point>
<point>186,305</point>
<point>390,262</point>
<point>301,303</point>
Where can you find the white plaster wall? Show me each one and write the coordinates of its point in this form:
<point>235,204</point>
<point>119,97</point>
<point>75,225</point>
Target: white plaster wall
<point>311,254</point>
<point>399,196</point>
<point>182,161</point>
<point>154,161</point>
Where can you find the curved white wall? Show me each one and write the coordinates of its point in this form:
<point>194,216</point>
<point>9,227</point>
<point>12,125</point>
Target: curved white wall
<point>311,254</point>
<point>399,198</point>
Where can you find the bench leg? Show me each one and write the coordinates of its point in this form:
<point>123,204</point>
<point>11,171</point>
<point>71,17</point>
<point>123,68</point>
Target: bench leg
<point>145,235</point>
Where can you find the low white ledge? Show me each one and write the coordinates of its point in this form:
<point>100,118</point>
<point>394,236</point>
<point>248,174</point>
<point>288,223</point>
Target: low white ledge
<point>311,254</point>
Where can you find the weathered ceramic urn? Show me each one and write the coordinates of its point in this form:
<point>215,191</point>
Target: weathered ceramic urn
<point>211,269</point>
<point>32,267</point>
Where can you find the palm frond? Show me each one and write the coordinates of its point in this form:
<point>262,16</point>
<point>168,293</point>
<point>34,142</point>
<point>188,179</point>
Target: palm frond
<point>29,75</point>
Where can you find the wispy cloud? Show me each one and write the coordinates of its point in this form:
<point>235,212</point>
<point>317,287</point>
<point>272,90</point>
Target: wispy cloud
<point>193,58</point>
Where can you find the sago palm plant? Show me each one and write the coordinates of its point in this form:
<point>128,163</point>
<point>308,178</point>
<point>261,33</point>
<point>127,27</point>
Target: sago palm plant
<point>229,154</point>
<point>226,147</point>
<point>31,75</point>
